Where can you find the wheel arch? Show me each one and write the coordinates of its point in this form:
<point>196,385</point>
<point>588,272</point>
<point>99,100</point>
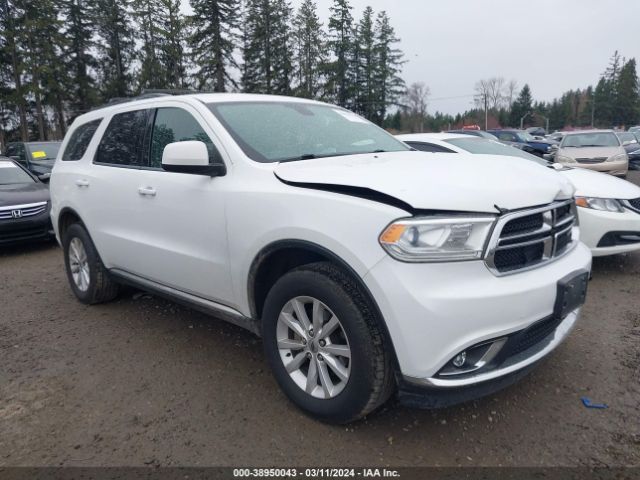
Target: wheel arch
<point>67,217</point>
<point>281,256</point>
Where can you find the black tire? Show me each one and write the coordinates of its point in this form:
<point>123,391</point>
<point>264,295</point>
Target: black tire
<point>371,381</point>
<point>101,287</point>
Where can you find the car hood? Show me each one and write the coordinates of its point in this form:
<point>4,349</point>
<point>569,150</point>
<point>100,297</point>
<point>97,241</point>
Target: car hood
<point>435,181</point>
<point>23,193</point>
<point>590,152</point>
<point>595,184</point>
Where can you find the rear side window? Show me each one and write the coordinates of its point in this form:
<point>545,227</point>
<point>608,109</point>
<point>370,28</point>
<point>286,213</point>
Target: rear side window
<point>177,125</point>
<point>123,140</point>
<point>79,141</point>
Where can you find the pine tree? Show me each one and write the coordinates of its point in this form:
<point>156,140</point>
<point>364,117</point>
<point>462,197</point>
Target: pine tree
<point>339,73</point>
<point>116,49</point>
<point>365,66</point>
<point>172,44</point>
<point>627,95</point>
<point>522,105</point>
<point>79,20</point>
<point>603,103</point>
<point>38,37</point>
<point>12,17</point>
<point>309,51</point>
<point>213,42</point>
<point>267,49</point>
<point>388,83</point>
<point>151,73</point>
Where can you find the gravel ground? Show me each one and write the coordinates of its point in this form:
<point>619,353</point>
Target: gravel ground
<point>141,381</point>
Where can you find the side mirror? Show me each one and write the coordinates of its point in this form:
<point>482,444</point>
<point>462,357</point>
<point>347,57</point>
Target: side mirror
<point>44,178</point>
<point>190,157</point>
<point>626,142</point>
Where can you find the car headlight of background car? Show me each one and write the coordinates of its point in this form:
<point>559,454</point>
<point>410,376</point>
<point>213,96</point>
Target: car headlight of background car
<point>437,239</point>
<point>603,204</point>
<point>564,159</point>
<point>621,157</point>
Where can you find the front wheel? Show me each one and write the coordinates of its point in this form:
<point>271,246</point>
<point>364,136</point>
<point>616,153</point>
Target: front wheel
<point>324,344</point>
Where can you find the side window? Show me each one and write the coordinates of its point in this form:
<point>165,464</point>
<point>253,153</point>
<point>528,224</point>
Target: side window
<point>17,150</point>
<point>123,139</point>
<point>79,140</point>
<point>429,147</point>
<point>507,137</point>
<point>177,125</point>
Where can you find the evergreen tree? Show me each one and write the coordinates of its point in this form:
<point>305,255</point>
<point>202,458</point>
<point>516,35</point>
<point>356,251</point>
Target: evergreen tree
<point>267,50</point>
<point>627,95</point>
<point>116,49</point>
<point>172,44</point>
<point>339,75</point>
<point>522,105</point>
<point>213,41</point>
<point>365,66</point>
<point>388,83</point>
<point>12,17</point>
<point>79,21</point>
<point>149,17</point>
<point>603,103</point>
<point>309,51</point>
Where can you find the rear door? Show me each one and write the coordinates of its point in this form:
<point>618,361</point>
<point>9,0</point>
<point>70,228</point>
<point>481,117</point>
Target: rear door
<point>109,188</point>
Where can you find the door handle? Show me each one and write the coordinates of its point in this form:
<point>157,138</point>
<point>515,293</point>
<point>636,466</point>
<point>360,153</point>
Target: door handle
<point>147,191</point>
<point>81,182</point>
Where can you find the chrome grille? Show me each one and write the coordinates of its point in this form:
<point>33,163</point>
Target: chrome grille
<point>28,210</point>
<point>529,238</point>
<point>591,160</point>
<point>633,204</point>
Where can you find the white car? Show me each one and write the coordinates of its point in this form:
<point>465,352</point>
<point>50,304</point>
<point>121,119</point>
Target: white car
<point>608,207</point>
<point>367,268</point>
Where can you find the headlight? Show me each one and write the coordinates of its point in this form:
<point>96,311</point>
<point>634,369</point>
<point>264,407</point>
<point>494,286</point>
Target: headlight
<point>604,204</point>
<point>621,157</point>
<point>563,159</point>
<point>437,239</point>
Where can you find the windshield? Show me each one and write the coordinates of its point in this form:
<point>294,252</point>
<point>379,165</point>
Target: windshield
<point>287,131</point>
<point>43,151</point>
<point>593,139</point>
<point>479,145</point>
<point>11,174</point>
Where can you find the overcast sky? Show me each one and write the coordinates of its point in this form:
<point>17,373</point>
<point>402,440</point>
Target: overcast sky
<point>553,45</point>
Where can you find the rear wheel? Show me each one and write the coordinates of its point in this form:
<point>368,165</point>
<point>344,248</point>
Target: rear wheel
<point>324,345</point>
<point>87,276</point>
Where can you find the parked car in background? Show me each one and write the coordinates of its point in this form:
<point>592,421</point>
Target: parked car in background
<point>635,129</point>
<point>366,267</point>
<point>608,207</point>
<point>24,205</point>
<point>556,137</point>
<point>599,150</point>
<point>629,141</point>
<point>537,131</point>
<point>475,133</point>
<point>524,141</point>
<point>37,157</point>
<point>634,160</point>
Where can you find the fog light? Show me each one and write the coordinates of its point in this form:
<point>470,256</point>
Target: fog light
<point>459,359</point>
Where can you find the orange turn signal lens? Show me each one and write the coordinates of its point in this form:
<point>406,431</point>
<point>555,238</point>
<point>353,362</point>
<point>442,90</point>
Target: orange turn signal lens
<point>582,202</point>
<point>393,233</point>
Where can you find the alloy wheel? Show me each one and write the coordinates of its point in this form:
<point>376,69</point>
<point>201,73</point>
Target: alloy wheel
<point>314,347</point>
<point>79,264</point>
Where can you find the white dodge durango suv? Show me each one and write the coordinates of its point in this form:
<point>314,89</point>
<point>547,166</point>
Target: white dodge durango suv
<point>366,267</point>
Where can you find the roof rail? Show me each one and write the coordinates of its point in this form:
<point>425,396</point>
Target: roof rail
<point>147,93</point>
